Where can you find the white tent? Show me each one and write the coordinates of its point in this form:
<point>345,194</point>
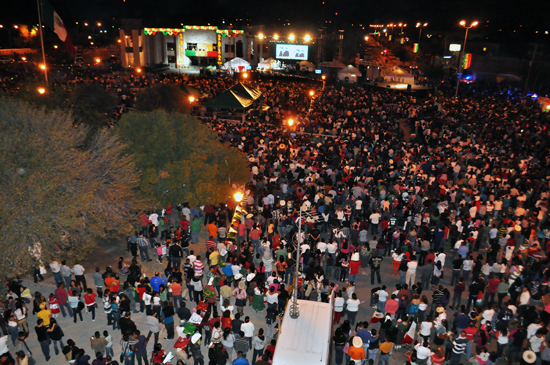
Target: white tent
<point>307,66</point>
<point>268,64</point>
<point>349,74</point>
<point>399,75</point>
<point>237,64</point>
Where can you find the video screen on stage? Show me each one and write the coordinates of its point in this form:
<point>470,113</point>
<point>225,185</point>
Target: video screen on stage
<point>291,52</point>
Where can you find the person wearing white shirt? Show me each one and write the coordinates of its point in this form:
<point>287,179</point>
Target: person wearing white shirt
<point>56,271</point>
<point>423,351</point>
<point>411,271</point>
<point>338,307</point>
<point>78,271</point>
<point>248,328</point>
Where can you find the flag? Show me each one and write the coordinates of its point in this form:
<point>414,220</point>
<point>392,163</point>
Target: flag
<point>53,21</point>
<point>376,317</point>
<point>409,336</point>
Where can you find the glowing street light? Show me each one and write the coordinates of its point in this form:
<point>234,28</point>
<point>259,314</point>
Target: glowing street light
<point>245,75</point>
<point>97,60</point>
<point>367,38</point>
<point>191,98</point>
<point>42,66</point>
<point>98,24</point>
<point>138,70</point>
<point>55,46</point>
<point>307,38</point>
<point>311,93</point>
<point>463,23</point>
<point>238,196</point>
<point>276,37</point>
<point>290,122</point>
<point>41,90</point>
<point>323,77</point>
<point>16,26</point>
<point>291,37</point>
<point>261,36</point>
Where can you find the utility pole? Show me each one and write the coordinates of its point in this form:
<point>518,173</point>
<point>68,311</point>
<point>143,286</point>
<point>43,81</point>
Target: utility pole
<point>529,71</point>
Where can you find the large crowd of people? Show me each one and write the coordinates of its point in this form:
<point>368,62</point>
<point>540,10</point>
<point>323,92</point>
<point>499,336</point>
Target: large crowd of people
<point>446,197</point>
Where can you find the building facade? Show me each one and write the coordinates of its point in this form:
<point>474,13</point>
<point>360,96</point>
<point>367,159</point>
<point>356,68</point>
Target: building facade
<point>190,45</point>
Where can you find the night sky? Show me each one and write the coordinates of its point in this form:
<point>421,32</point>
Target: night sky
<point>441,15</point>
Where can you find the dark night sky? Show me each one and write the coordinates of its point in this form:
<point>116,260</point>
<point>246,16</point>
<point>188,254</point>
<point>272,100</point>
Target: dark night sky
<point>442,15</point>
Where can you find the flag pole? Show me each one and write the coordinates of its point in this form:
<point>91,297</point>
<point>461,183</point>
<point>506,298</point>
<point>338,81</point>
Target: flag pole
<point>42,40</point>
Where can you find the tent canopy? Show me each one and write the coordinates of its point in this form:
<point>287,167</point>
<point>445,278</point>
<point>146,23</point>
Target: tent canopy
<point>306,64</point>
<point>349,71</point>
<point>246,91</point>
<point>236,63</point>
<point>238,97</point>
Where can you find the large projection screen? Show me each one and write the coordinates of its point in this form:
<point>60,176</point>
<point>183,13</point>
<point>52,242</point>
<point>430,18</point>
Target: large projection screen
<point>291,52</point>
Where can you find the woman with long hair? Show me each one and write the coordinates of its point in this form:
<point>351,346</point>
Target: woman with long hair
<point>228,340</point>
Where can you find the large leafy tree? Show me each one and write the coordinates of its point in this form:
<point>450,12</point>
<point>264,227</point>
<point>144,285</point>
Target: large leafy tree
<point>93,105</point>
<point>58,194</point>
<point>181,159</point>
<point>169,97</point>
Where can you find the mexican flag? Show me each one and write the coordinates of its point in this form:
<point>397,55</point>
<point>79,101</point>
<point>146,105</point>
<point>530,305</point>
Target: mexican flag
<point>409,336</point>
<point>52,20</point>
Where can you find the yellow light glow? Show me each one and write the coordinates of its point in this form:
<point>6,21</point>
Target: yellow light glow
<point>367,38</point>
<point>97,60</point>
<point>275,37</point>
<point>16,26</point>
<point>191,98</point>
<point>323,77</point>
<point>238,196</point>
<point>307,38</point>
<point>425,24</point>
<point>42,66</point>
<point>261,36</point>
<point>311,93</point>
<point>401,86</point>
<point>41,90</point>
<point>475,23</point>
<point>23,58</point>
<point>138,70</point>
<point>98,24</point>
<point>85,24</point>
<point>290,122</point>
<point>291,37</point>
<point>548,107</point>
<point>55,46</point>
<point>463,22</point>
<point>119,41</point>
<point>245,75</point>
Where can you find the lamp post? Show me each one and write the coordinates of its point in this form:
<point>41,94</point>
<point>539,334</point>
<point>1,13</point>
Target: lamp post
<point>463,23</point>
<point>420,25</point>
<point>294,309</point>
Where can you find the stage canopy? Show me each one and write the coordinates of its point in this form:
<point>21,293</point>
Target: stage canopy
<point>238,97</point>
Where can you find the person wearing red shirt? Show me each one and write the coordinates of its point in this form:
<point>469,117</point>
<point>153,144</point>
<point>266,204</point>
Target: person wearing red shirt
<point>89,299</point>
<point>392,305</point>
<point>492,286</point>
<point>470,334</point>
<point>354,267</point>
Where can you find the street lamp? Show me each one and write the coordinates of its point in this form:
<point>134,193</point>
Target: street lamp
<point>367,38</point>
<point>311,93</point>
<point>420,25</point>
<point>41,90</point>
<point>463,23</point>
<point>261,36</point>
<point>291,37</point>
<point>307,38</point>
<point>191,98</point>
<point>43,67</point>
<point>275,36</point>
<point>238,196</point>
<point>290,122</point>
<point>294,310</point>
